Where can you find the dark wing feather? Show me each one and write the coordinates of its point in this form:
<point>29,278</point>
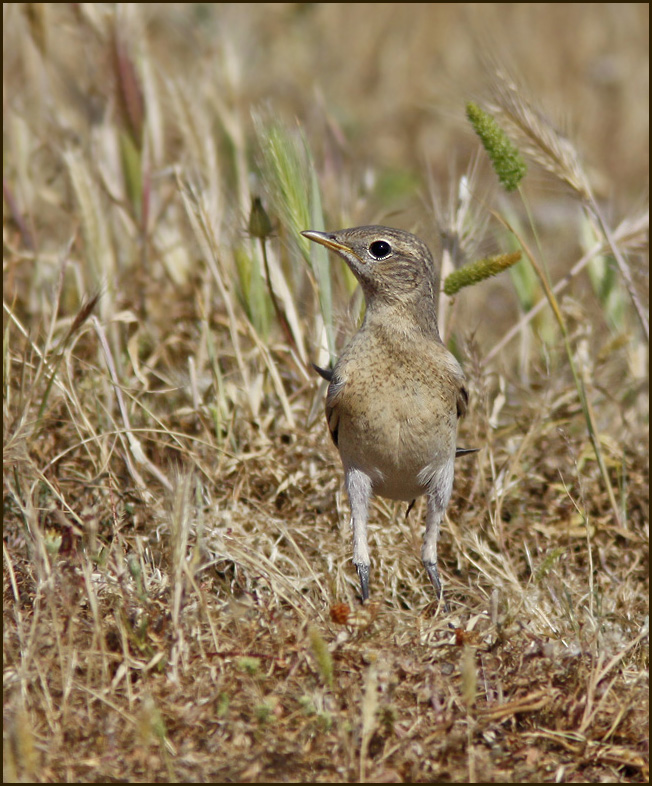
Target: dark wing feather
<point>325,373</point>
<point>462,401</point>
<point>332,409</point>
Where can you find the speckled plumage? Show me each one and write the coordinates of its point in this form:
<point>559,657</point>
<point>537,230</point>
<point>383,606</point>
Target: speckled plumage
<point>396,392</point>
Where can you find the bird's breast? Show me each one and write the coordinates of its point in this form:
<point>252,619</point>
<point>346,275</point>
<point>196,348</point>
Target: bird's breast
<point>398,427</point>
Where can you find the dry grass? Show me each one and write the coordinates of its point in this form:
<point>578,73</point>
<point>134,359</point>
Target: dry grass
<point>179,602</point>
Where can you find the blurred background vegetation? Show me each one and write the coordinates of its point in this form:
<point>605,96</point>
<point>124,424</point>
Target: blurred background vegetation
<point>379,93</point>
<point>173,520</point>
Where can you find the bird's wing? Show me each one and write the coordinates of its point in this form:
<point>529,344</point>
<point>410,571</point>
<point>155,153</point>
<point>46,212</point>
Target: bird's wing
<point>325,373</point>
<point>462,400</point>
<point>333,396</point>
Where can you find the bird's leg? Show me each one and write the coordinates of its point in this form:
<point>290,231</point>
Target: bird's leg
<point>438,498</point>
<point>358,487</point>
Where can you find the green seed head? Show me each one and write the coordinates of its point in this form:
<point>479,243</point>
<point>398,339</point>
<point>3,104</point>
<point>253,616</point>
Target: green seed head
<point>478,271</point>
<point>505,157</point>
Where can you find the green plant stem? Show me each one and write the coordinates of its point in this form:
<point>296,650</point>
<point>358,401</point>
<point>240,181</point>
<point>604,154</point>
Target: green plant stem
<point>577,377</point>
<point>622,266</point>
<point>280,313</point>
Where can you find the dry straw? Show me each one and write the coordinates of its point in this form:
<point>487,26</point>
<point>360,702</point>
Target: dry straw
<point>179,600</point>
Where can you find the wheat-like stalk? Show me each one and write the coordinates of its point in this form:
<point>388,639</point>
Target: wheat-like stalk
<point>544,144</point>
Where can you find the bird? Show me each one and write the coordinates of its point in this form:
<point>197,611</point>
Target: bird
<point>395,393</point>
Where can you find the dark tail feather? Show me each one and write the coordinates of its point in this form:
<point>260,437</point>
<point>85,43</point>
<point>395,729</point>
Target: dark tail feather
<point>326,373</point>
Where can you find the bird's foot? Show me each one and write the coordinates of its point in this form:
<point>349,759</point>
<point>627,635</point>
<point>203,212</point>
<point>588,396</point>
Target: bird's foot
<point>433,573</point>
<point>363,575</point>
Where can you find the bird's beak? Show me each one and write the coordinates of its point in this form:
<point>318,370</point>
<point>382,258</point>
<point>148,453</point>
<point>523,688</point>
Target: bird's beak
<point>324,239</point>
<point>327,239</point>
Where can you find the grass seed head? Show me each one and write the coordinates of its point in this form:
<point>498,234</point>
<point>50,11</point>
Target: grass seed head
<point>505,157</point>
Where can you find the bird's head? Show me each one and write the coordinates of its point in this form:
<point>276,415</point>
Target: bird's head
<point>393,267</point>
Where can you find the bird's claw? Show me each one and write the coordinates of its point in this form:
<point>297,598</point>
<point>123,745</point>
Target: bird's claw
<point>363,575</point>
<point>433,573</point>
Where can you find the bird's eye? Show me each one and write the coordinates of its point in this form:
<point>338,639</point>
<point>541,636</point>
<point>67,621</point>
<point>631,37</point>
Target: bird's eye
<point>380,249</point>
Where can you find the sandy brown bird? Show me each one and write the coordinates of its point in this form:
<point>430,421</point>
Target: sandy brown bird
<point>395,393</point>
